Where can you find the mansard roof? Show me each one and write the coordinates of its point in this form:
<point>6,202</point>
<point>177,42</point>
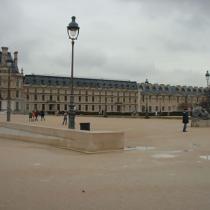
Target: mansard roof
<point>157,89</point>
<point>78,82</point>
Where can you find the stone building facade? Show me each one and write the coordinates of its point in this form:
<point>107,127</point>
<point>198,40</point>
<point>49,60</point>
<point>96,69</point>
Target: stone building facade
<point>52,94</point>
<point>16,82</point>
<point>160,98</point>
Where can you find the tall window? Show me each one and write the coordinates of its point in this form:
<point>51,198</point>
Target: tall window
<point>58,107</point>
<point>17,106</point>
<point>65,107</point>
<point>17,94</point>
<point>150,109</point>
<point>178,99</point>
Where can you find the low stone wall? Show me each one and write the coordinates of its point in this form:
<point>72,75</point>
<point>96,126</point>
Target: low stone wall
<point>83,141</point>
<point>199,123</point>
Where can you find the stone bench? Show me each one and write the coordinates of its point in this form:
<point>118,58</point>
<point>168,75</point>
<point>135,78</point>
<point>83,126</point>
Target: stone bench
<point>83,141</point>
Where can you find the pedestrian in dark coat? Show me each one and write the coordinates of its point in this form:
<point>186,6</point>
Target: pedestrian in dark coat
<point>185,120</point>
<point>42,115</point>
<point>30,116</point>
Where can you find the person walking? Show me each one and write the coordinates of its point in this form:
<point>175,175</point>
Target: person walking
<point>42,114</point>
<point>30,116</point>
<point>65,118</point>
<point>185,120</point>
<point>33,115</point>
<point>36,115</point>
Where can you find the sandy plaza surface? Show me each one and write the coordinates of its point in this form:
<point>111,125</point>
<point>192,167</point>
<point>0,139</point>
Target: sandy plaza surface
<point>160,168</point>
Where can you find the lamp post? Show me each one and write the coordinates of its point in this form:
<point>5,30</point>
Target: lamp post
<point>146,113</point>
<point>73,32</point>
<point>9,64</point>
<point>207,75</point>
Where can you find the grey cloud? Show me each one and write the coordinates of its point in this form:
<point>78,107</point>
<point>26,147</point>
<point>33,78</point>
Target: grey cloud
<point>185,12</point>
<point>145,39</point>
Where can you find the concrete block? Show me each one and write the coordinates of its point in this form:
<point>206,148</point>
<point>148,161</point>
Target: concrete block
<point>200,123</point>
<point>83,141</point>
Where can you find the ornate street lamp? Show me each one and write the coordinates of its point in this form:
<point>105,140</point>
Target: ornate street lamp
<point>73,32</point>
<point>207,75</point>
<point>9,65</point>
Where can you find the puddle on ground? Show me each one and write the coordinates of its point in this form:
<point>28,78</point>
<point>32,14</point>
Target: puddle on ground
<point>205,157</point>
<point>163,155</point>
<point>139,148</point>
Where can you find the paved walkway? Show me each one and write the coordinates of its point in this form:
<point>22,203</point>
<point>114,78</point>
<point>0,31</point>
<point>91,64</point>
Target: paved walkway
<point>162,168</point>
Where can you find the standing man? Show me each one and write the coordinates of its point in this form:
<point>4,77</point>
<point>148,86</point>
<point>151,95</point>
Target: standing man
<point>65,115</point>
<point>185,119</point>
<point>42,115</point>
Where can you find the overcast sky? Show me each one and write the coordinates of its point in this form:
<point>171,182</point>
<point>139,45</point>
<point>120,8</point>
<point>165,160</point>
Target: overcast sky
<point>166,41</point>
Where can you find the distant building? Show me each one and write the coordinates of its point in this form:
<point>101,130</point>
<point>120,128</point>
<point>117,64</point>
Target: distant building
<point>52,94</point>
<point>160,98</point>
<point>17,102</point>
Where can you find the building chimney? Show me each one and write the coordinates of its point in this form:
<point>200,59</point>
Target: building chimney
<point>22,71</point>
<point>4,55</point>
<point>16,58</point>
